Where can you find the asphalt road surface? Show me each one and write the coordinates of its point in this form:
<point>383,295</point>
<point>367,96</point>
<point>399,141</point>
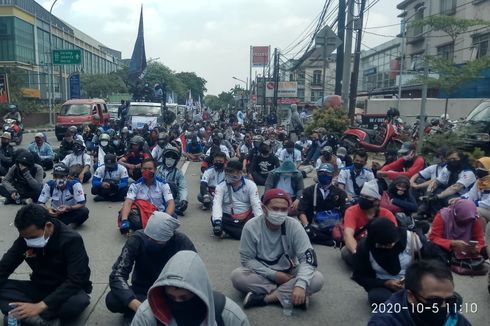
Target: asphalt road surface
<point>341,301</point>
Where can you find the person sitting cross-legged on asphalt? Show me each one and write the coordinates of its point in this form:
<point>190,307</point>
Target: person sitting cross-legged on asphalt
<point>352,178</point>
<point>42,149</point>
<point>210,179</point>
<point>67,198</point>
<point>79,162</point>
<point>235,201</point>
<point>6,153</point>
<point>60,279</point>
<point>24,180</point>
<point>144,255</point>
<point>169,172</point>
<point>288,178</point>
<point>110,181</point>
<point>428,295</point>
<point>278,262</point>
<point>182,295</point>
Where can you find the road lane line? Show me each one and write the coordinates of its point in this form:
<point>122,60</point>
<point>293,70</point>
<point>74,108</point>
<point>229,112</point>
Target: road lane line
<point>184,167</point>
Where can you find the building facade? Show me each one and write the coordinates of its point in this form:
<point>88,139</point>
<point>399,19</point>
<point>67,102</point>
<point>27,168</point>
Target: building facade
<point>24,44</point>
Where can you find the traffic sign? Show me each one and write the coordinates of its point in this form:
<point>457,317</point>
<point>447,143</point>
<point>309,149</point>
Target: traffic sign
<point>75,85</point>
<point>67,57</point>
<point>328,39</point>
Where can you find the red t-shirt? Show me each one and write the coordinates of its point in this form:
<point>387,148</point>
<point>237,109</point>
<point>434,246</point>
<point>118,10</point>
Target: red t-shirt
<point>355,218</point>
<point>437,231</point>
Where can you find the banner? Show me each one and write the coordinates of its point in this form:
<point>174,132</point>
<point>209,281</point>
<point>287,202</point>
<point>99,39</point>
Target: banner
<point>137,65</point>
<point>4,89</point>
<point>139,122</point>
<point>75,86</point>
<point>284,89</point>
<point>260,56</point>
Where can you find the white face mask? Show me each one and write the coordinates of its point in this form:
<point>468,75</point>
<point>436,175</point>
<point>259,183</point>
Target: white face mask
<point>60,182</point>
<point>169,162</point>
<point>104,143</point>
<point>39,242</point>
<point>276,218</point>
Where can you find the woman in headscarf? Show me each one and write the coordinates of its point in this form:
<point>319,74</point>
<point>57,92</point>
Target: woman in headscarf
<point>455,228</point>
<point>382,258</point>
<point>398,198</point>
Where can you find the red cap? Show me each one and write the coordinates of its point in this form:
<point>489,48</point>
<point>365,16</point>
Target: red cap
<point>275,193</point>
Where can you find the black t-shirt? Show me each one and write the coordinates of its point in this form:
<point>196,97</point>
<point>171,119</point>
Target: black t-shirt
<point>264,165</point>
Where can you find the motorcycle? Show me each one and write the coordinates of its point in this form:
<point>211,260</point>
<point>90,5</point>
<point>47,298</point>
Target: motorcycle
<point>13,127</point>
<point>384,138</point>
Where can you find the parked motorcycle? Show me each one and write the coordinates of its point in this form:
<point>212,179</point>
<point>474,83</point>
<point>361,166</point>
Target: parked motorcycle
<point>15,129</point>
<point>385,137</point>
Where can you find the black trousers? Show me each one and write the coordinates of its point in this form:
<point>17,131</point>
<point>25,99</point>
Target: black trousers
<point>259,179</point>
<point>24,193</point>
<point>116,305</point>
<point>379,295</point>
<point>47,164</point>
<point>110,194</point>
<point>76,216</point>
<point>27,291</point>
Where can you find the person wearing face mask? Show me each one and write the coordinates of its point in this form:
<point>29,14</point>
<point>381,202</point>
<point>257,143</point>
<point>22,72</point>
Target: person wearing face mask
<point>210,179</point>
<point>345,158</point>
<point>118,145</point>
<point>408,164</point>
<point>66,145</point>
<point>304,143</point>
<point>235,202</point>
<point>321,206</point>
<point>457,228</point>
<point>278,262</point>
<point>110,181</point>
<point>169,172</point>
<point>429,297</point>
<point>79,162</point>
<point>6,154</point>
<point>161,146</point>
<point>149,188</point>
<point>183,295</point>
<point>245,147</point>
<point>105,147</point>
<point>290,153</point>
<point>135,156</point>
<point>143,257</point>
<point>67,198</point>
<point>60,275</point>
<point>194,149</point>
<point>398,198</point>
<point>358,217</point>
<point>382,259</point>
<point>289,179</point>
<point>352,178</point>
<point>421,181</point>
<point>327,156</point>
<point>263,164</point>
<point>42,149</point>
<point>24,180</point>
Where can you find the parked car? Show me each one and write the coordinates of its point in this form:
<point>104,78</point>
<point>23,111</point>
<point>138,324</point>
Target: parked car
<point>476,128</point>
<point>141,113</point>
<point>80,112</point>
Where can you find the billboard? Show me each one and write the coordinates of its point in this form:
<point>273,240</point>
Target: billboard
<point>4,89</point>
<point>260,56</point>
<point>284,89</point>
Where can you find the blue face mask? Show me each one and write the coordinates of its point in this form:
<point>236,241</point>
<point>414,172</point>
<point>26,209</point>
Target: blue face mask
<point>325,180</point>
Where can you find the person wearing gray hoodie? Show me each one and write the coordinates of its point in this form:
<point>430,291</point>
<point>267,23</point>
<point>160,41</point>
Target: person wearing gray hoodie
<point>182,295</point>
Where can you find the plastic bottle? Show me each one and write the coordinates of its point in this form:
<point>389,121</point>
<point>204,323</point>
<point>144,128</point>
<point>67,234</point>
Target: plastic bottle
<point>11,320</point>
<point>287,307</point>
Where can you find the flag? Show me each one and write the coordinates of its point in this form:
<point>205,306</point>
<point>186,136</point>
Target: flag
<point>100,156</point>
<point>199,103</point>
<point>190,102</point>
<point>137,65</point>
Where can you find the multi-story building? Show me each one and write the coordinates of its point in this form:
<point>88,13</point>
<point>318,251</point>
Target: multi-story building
<point>24,44</point>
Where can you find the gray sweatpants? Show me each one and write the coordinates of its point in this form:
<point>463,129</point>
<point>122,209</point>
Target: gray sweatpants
<point>246,280</point>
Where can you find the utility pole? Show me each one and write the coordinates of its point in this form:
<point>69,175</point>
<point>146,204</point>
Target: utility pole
<point>357,62</point>
<point>339,64</point>
<point>276,77</point>
<point>348,53</point>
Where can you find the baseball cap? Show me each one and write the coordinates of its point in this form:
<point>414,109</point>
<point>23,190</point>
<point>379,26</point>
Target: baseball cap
<point>7,135</point>
<point>39,135</point>
<point>275,193</point>
<point>406,148</point>
<point>326,167</point>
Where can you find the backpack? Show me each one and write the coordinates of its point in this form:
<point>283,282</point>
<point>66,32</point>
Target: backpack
<point>139,214</point>
<point>52,185</point>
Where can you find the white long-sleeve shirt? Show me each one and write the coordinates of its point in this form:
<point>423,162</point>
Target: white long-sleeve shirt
<point>242,199</point>
<point>481,197</point>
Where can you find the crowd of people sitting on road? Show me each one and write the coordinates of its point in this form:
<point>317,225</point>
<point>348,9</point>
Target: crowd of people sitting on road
<point>403,225</point>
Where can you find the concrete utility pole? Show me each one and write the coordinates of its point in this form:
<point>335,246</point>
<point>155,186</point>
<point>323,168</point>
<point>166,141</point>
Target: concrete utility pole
<point>347,53</point>
<point>51,68</point>
<point>339,60</point>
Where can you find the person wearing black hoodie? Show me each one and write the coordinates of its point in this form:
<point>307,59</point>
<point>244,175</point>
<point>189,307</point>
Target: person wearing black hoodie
<point>398,198</point>
<point>60,279</point>
<point>382,258</point>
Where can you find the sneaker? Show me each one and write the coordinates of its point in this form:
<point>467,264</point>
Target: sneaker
<point>98,198</point>
<point>254,300</point>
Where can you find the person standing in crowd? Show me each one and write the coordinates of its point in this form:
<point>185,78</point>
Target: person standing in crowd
<point>429,296</point>
<point>110,181</point>
<point>182,295</point>
<point>408,164</point>
<point>398,198</point>
<point>278,262</point>
<point>60,279</point>
<point>24,180</point>
<point>169,172</point>
<point>357,219</point>
<point>149,188</point>
<point>122,112</point>
<point>42,149</point>
<point>6,154</point>
<point>67,198</point>
<point>79,162</point>
<point>143,257</point>
<point>210,179</point>
<point>235,201</point>
<point>287,178</point>
<point>352,178</point>
<point>263,164</point>
<point>382,258</point>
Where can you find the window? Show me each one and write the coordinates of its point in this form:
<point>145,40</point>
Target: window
<point>448,7</point>
<point>317,77</point>
<point>24,41</point>
<point>7,48</point>
<point>446,51</point>
<point>480,42</point>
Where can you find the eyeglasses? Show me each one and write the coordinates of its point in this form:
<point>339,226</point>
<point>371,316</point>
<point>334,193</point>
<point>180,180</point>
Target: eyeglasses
<point>451,301</point>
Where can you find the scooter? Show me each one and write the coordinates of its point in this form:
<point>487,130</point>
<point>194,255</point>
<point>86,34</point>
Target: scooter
<point>384,138</point>
<point>15,129</point>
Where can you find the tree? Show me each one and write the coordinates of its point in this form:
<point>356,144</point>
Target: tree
<point>101,85</point>
<point>212,102</point>
<point>192,82</point>
<point>333,119</point>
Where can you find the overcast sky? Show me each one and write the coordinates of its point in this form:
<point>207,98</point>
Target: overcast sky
<point>209,37</point>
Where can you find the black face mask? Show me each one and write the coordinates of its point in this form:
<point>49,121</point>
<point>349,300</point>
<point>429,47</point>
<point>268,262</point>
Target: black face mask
<point>429,316</point>
<point>365,203</point>
<point>78,150</point>
<point>191,312</point>
<point>5,144</point>
<point>162,143</point>
<point>358,166</point>
<point>264,151</point>
<point>454,166</point>
<point>481,173</point>
<point>219,166</point>
<point>216,141</point>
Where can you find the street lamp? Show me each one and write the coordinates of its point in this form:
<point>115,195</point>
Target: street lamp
<point>243,81</point>
<point>51,72</point>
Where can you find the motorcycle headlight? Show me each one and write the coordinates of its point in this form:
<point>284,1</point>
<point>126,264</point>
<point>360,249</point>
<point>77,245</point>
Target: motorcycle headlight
<point>482,137</point>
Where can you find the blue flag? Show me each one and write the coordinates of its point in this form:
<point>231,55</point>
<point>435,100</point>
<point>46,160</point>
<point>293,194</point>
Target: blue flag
<point>137,66</point>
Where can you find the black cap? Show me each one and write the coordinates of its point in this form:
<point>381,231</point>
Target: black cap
<point>234,165</point>
<point>60,169</point>
<point>110,160</point>
<point>25,158</point>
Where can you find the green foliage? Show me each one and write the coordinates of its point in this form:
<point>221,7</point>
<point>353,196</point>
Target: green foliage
<point>101,85</point>
<point>434,142</point>
<point>212,101</point>
<point>451,25</point>
<point>334,120</point>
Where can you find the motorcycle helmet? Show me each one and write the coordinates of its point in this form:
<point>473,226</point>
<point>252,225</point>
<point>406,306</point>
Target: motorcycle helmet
<point>171,157</point>
<point>61,170</point>
<point>110,161</point>
<point>434,122</point>
<point>78,147</point>
<point>73,129</point>
<point>24,157</point>
<point>12,107</point>
<point>137,140</point>
<point>104,140</point>
<point>162,139</point>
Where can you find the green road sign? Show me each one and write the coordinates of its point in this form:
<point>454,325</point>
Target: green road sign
<point>67,57</point>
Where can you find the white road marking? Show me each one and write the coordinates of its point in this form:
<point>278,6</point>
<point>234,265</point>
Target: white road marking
<point>184,167</point>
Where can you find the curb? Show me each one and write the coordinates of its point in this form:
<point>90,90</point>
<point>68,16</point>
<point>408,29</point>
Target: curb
<point>31,131</point>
